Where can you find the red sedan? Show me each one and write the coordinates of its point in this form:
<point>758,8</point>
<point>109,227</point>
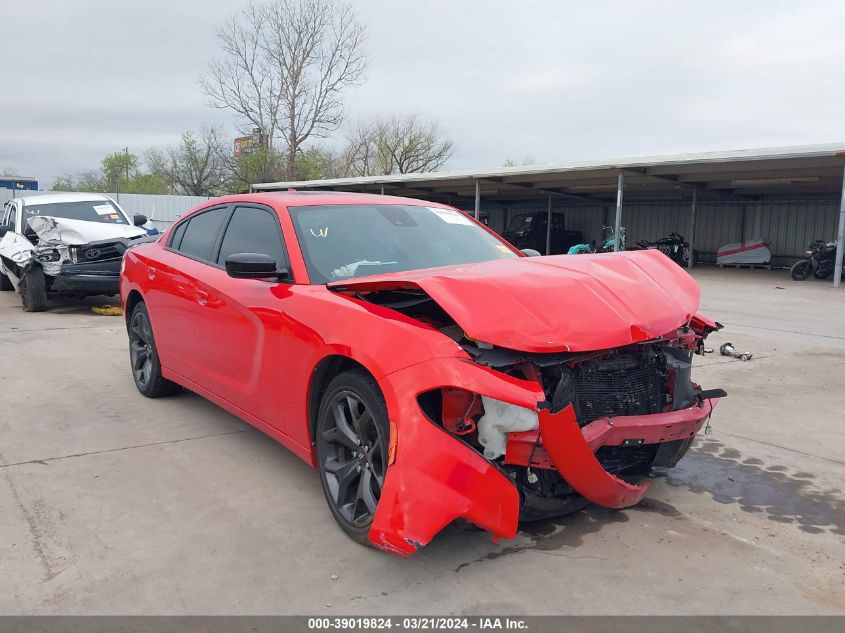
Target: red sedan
<point>428,369</point>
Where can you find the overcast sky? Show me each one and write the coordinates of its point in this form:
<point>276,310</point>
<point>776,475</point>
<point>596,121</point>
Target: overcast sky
<point>555,81</point>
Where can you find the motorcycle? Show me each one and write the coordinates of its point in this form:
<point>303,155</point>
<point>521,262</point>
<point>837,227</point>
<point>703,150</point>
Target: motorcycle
<point>820,261</point>
<point>674,246</point>
<point>606,247</point>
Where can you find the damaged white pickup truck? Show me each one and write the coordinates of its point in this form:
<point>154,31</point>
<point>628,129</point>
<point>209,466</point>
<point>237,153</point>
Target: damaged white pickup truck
<point>64,244</point>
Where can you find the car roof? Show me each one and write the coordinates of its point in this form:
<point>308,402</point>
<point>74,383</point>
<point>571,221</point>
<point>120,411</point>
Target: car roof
<point>309,198</point>
<point>52,198</point>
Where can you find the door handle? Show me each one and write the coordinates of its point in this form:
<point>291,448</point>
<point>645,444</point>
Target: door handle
<point>202,297</point>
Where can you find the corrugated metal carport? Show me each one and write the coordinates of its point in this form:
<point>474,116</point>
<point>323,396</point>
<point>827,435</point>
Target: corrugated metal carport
<point>788,196</point>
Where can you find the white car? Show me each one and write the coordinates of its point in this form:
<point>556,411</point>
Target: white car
<point>64,244</point>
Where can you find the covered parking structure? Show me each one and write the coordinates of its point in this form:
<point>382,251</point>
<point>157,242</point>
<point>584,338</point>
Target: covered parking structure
<point>787,196</point>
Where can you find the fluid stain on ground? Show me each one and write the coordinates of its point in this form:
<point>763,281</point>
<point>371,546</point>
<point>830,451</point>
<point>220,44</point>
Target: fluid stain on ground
<point>782,497</point>
<point>712,468</point>
<point>557,533</point>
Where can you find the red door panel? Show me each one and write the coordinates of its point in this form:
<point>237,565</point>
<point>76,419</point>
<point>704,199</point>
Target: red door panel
<point>170,297</point>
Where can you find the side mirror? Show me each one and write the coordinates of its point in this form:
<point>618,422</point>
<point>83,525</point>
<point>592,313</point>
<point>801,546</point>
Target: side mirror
<point>254,266</point>
<point>530,252</point>
<point>6,228</point>
<point>139,219</point>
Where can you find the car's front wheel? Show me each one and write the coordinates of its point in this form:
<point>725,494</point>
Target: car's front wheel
<point>352,450</point>
<point>143,356</point>
<point>33,289</point>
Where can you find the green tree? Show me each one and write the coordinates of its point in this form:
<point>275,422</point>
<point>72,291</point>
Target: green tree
<point>146,183</point>
<point>119,173</point>
<point>194,167</point>
<point>84,181</point>
<point>118,169</point>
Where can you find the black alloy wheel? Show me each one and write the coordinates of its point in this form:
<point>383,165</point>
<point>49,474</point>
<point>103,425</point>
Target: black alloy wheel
<point>143,357</point>
<point>352,450</point>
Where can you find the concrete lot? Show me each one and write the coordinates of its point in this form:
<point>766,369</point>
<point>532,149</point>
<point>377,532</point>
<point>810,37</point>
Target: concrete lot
<point>113,503</point>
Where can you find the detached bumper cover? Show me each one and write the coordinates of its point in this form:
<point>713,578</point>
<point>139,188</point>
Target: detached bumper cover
<point>571,448</point>
<point>436,478</point>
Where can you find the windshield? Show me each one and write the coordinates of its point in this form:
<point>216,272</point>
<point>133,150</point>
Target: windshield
<point>346,241</point>
<point>521,222</point>
<point>89,210</point>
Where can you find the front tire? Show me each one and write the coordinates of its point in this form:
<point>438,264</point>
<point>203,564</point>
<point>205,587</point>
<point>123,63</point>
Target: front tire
<point>801,270</point>
<point>143,357</point>
<point>33,289</point>
<point>352,450</point>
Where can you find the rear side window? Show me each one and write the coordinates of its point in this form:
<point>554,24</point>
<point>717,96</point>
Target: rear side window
<point>252,230</point>
<point>200,234</point>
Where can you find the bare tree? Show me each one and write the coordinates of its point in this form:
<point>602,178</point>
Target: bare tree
<point>359,155</point>
<point>284,66</point>
<point>526,161</point>
<point>397,145</point>
<point>243,78</point>
<point>194,167</point>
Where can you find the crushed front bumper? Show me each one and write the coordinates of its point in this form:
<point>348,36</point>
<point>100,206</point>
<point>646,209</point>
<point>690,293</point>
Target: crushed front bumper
<point>89,278</point>
<point>435,478</point>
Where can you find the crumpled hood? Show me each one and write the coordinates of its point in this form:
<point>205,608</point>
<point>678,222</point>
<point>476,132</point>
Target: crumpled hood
<point>556,303</point>
<point>65,231</point>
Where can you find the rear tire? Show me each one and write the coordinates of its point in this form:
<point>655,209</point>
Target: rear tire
<point>822,274</point>
<point>33,289</point>
<point>801,270</point>
<point>143,356</point>
<point>5,283</point>
<point>352,450</point>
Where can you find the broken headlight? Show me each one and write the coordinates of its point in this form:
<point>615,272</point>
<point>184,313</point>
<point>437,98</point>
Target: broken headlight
<point>481,421</point>
<point>51,255</point>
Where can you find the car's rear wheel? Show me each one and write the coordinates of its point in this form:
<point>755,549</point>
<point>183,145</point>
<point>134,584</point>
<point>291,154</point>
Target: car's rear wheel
<point>143,356</point>
<point>33,289</point>
<point>352,449</point>
<point>5,283</point>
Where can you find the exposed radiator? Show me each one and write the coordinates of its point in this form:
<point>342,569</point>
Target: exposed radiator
<point>630,384</point>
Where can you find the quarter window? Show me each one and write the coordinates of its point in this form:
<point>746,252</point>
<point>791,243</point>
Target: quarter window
<point>252,230</point>
<point>176,237</point>
<point>11,213</point>
<point>199,236</point>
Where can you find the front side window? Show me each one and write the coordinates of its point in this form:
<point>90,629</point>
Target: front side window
<point>89,210</point>
<point>346,241</point>
<point>200,234</point>
<point>252,230</point>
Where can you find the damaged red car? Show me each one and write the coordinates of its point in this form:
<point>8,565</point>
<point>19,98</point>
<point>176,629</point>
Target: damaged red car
<point>428,369</point>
